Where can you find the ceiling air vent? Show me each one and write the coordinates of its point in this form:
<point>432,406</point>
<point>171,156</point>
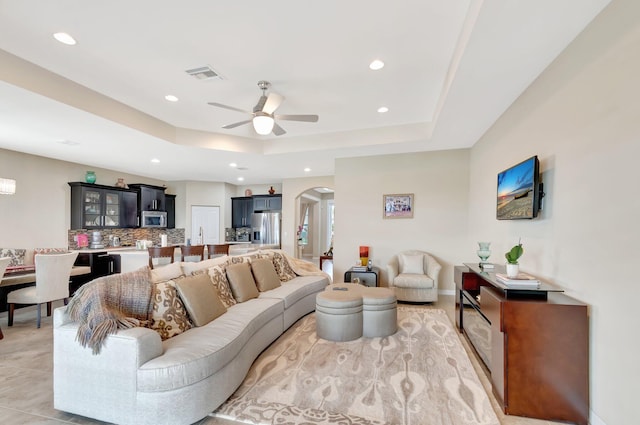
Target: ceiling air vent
<point>204,73</point>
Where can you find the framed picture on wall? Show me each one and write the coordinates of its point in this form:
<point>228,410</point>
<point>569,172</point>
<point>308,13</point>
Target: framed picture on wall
<point>397,205</point>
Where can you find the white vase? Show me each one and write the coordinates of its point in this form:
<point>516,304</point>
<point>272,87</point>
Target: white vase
<point>512,270</point>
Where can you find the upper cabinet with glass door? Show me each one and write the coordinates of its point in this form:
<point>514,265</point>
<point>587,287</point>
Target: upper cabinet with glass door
<point>95,206</point>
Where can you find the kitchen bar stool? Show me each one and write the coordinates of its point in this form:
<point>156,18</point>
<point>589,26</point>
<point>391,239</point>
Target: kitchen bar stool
<point>158,253</point>
<point>192,251</point>
<point>217,249</point>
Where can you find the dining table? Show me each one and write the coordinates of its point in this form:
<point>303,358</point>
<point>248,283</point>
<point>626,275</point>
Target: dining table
<point>22,275</point>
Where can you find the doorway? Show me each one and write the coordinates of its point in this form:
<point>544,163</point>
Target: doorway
<point>205,225</point>
<point>315,212</point>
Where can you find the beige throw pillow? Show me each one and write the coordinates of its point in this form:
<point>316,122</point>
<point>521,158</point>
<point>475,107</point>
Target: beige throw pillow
<point>241,281</point>
<point>265,274</point>
<point>284,270</point>
<point>167,272</point>
<point>412,263</point>
<point>200,298</point>
<point>169,316</point>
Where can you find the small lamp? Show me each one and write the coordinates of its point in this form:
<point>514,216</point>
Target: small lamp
<point>7,186</point>
<point>263,123</point>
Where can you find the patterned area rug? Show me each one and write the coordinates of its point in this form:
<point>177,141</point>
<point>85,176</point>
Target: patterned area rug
<point>419,376</point>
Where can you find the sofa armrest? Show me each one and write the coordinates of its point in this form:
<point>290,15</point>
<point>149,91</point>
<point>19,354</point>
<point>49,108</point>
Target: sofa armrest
<point>433,269</point>
<point>136,345</point>
<point>392,272</point>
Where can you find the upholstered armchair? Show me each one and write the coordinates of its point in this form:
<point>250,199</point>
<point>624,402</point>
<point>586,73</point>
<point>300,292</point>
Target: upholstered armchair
<point>413,275</point>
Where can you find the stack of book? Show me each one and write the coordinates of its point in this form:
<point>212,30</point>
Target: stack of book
<point>521,281</point>
<point>359,268</point>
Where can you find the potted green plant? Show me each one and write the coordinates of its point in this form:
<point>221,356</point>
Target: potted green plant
<point>512,259</point>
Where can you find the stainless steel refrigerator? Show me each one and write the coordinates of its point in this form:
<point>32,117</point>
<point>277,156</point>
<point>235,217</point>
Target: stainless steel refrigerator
<point>265,228</point>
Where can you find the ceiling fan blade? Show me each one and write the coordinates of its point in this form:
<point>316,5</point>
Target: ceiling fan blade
<point>305,118</point>
<point>273,101</point>
<point>277,130</point>
<point>220,105</point>
<point>236,124</point>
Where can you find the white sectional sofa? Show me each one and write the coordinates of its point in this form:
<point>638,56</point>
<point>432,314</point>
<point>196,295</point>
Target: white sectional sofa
<point>139,379</point>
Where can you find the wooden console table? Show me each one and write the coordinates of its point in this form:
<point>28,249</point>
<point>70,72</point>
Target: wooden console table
<point>534,343</point>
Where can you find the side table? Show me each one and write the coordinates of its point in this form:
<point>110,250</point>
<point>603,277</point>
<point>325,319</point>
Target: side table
<point>367,277</point>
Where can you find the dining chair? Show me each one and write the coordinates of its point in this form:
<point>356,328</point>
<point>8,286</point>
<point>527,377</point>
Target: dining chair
<point>214,250</point>
<point>194,252</point>
<point>53,272</point>
<point>160,253</point>
<point>4,262</point>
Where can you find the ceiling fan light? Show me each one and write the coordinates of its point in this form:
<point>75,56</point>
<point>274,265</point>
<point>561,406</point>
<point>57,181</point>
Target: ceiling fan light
<point>263,124</point>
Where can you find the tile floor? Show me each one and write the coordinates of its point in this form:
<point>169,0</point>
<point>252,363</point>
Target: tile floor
<point>26,378</point>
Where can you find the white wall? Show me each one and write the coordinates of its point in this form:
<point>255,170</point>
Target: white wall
<point>581,118</point>
<point>439,182</point>
<point>39,214</point>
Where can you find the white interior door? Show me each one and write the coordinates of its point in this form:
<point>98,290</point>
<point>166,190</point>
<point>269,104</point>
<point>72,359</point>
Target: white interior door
<point>205,225</point>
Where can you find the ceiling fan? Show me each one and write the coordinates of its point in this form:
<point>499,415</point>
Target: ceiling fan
<point>263,113</point>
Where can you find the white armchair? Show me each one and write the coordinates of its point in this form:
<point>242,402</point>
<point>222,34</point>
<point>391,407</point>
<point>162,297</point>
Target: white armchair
<point>413,275</point>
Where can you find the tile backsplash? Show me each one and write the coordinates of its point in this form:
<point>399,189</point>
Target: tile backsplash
<point>128,237</point>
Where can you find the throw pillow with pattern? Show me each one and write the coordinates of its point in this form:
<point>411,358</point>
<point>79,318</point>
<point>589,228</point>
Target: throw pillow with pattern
<point>169,317</point>
<point>218,276</point>
<point>284,270</point>
<point>16,255</point>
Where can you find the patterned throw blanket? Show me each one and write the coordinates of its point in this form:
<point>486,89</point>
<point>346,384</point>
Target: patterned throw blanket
<point>302,267</point>
<point>109,303</point>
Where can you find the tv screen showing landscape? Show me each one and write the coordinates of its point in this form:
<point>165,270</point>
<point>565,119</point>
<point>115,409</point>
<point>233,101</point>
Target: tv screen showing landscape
<point>517,198</point>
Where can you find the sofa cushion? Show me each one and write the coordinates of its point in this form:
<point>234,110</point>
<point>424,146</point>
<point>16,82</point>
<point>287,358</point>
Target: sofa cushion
<point>168,272</point>
<point>418,281</point>
<point>190,267</point>
<point>241,280</point>
<point>201,352</point>
<point>411,263</point>
<point>200,298</point>
<point>265,274</point>
<point>294,290</point>
<point>16,255</point>
<point>169,316</point>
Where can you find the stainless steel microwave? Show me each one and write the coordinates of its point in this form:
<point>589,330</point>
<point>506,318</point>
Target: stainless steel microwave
<point>153,219</point>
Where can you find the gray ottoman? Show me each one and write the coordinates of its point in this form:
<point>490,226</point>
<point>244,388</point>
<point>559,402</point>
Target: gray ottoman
<point>379,308</point>
<point>339,315</point>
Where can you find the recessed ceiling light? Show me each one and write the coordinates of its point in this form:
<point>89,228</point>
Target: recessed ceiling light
<point>240,179</point>
<point>155,160</point>
<point>376,65</point>
<point>64,38</point>
<point>171,98</point>
<point>233,165</point>
<point>383,109</point>
<point>306,170</point>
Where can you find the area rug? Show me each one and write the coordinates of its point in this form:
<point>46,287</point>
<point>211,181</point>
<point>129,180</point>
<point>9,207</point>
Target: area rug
<point>421,375</point>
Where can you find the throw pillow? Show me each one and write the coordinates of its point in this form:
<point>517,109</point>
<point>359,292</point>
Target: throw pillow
<point>412,263</point>
<point>241,281</point>
<point>265,274</point>
<point>168,272</point>
<point>200,298</point>
<point>191,267</point>
<point>218,276</point>
<point>16,255</point>
<point>169,316</point>
<point>284,270</point>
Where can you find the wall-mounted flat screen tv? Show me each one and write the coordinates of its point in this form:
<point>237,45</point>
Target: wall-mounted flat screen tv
<point>519,191</point>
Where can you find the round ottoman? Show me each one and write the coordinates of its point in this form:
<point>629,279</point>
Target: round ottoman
<point>379,312</point>
<point>339,315</point>
<point>379,308</point>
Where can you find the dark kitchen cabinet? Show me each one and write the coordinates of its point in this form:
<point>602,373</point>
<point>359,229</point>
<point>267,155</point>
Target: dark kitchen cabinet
<point>96,206</point>
<point>267,203</point>
<point>170,201</point>
<point>150,198</point>
<point>241,210</point>
<point>129,209</point>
